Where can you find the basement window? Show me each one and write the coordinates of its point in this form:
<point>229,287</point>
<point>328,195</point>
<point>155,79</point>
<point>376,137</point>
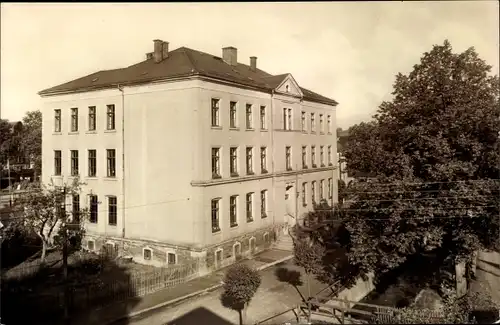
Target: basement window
<point>91,245</point>
<point>171,258</point>
<point>147,254</point>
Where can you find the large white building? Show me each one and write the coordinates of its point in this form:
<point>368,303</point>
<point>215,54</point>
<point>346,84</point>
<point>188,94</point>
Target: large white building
<point>187,154</point>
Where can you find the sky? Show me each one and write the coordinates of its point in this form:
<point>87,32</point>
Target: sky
<point>348,51</point>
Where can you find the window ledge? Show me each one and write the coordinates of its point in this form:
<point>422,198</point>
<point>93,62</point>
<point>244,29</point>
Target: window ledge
<point>250,220</point>
<point>305,167</point>
<point>110,131</point>
<point>235,175</point>
<point>73,132</point>
<point>112,179</point>
<point>234,128</point>
<point>289,169</point>
<point>91,132</point>
<point>263,216</point>
<point>250,173</point>
<point>111,225</point>
<point>216,176</point>
<point>57,133</point>
<point>234,226</point>
<point>322,133</point>
<point>264,171</point>
<point>91,177</point>
<point>304,205</point>
<point>249,129</point>
<point>215,231</point>
<point>216,127</point>
<point>264,130</point>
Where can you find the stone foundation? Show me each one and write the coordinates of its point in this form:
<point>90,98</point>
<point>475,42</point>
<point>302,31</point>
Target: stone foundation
<point>158,253</point>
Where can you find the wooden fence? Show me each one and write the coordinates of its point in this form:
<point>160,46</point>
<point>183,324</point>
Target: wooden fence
<point>93,295</point>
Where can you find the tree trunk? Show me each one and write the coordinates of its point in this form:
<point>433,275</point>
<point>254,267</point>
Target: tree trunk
<point>243,315</point>
<point>44,251</point>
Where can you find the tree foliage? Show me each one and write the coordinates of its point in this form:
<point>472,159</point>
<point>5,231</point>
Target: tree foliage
<point>435,150</point>
<point>31,141</point>
<point>45,214</point>
<point>240,285</point>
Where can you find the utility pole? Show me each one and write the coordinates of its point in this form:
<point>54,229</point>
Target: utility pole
<point>65,258</point>
<point>10,182</point>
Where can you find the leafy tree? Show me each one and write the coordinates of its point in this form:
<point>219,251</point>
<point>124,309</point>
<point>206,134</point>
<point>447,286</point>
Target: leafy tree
<point>9,142</point>
<point>31,141</point>
<point>309,256</point>
<point>240,285</point>
<point>45,214</point>
<point>435,149</point>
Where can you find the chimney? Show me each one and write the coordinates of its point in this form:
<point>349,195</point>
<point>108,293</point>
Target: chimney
<point>157,54</point>
<point>164,50</point>
<point>230,55</point>
<point>253,63</point>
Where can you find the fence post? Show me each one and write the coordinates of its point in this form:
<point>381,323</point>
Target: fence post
<point>309,311</point>
<point>342,306</point>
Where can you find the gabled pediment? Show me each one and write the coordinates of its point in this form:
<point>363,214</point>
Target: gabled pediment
<point>289,87</point>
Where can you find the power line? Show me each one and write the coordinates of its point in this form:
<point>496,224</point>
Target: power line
<point>442,182</point>
<point>403,192</point>
<point>424,198</point>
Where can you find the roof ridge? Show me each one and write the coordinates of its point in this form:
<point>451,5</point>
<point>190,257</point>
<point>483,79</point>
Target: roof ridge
<point>190,59</point>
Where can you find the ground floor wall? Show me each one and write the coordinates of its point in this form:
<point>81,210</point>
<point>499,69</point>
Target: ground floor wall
<point>209,258</point>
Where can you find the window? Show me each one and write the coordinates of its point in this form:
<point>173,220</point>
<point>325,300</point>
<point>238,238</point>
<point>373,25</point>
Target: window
<point>304,194</point>
<point>90,245</point>
<point>92,118</point>
<point>216,163</point>
<point>263,160</point>
<point>263,125</point>
<point>249,206</point>
<point>112,210</point>
<point>329,124</point>
<point>57,120</point>
<point>284,118</point>
<point>313,156</point>
<point>329,155</point>
<point>263,203</point>
<point>321,130</point>
<point>74,162</point>
<point>322,190</point>
<point>232,115</point>
<point>322,156</point>
<point>233,155</point>
<point>249,122</point>
<point>313,192</point>
<point>304,157</point>
<point>75,209</point>
<point>171,259</point>
<point>330,188</point>
<point>290,119</point>
<point>74,119</point>
<point>215,112</point>
<point>57,162</point>
<point>93,208</point>
<point>313,123</point>
<point>288,153</point>
<point>303,119</point>
<point>147,254</point>
<point>251,245</point>
<point>233,211</point>
<point>249,158</point>
<point>92,162</point>
<point>110,123</point>
<point>215,215</point>
<point>287,118</point>
<point>111,158</point>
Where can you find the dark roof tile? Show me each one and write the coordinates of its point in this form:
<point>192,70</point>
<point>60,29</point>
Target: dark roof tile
<point>182,62</point>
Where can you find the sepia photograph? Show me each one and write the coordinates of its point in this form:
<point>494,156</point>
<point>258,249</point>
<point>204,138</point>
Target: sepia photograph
<point>250,163</point>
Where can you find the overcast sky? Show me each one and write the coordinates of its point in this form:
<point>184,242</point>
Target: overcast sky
<point>348,51</point>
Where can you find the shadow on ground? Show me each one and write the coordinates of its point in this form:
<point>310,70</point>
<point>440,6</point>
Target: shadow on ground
<point>37,296</point>
<point>198,316</point>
